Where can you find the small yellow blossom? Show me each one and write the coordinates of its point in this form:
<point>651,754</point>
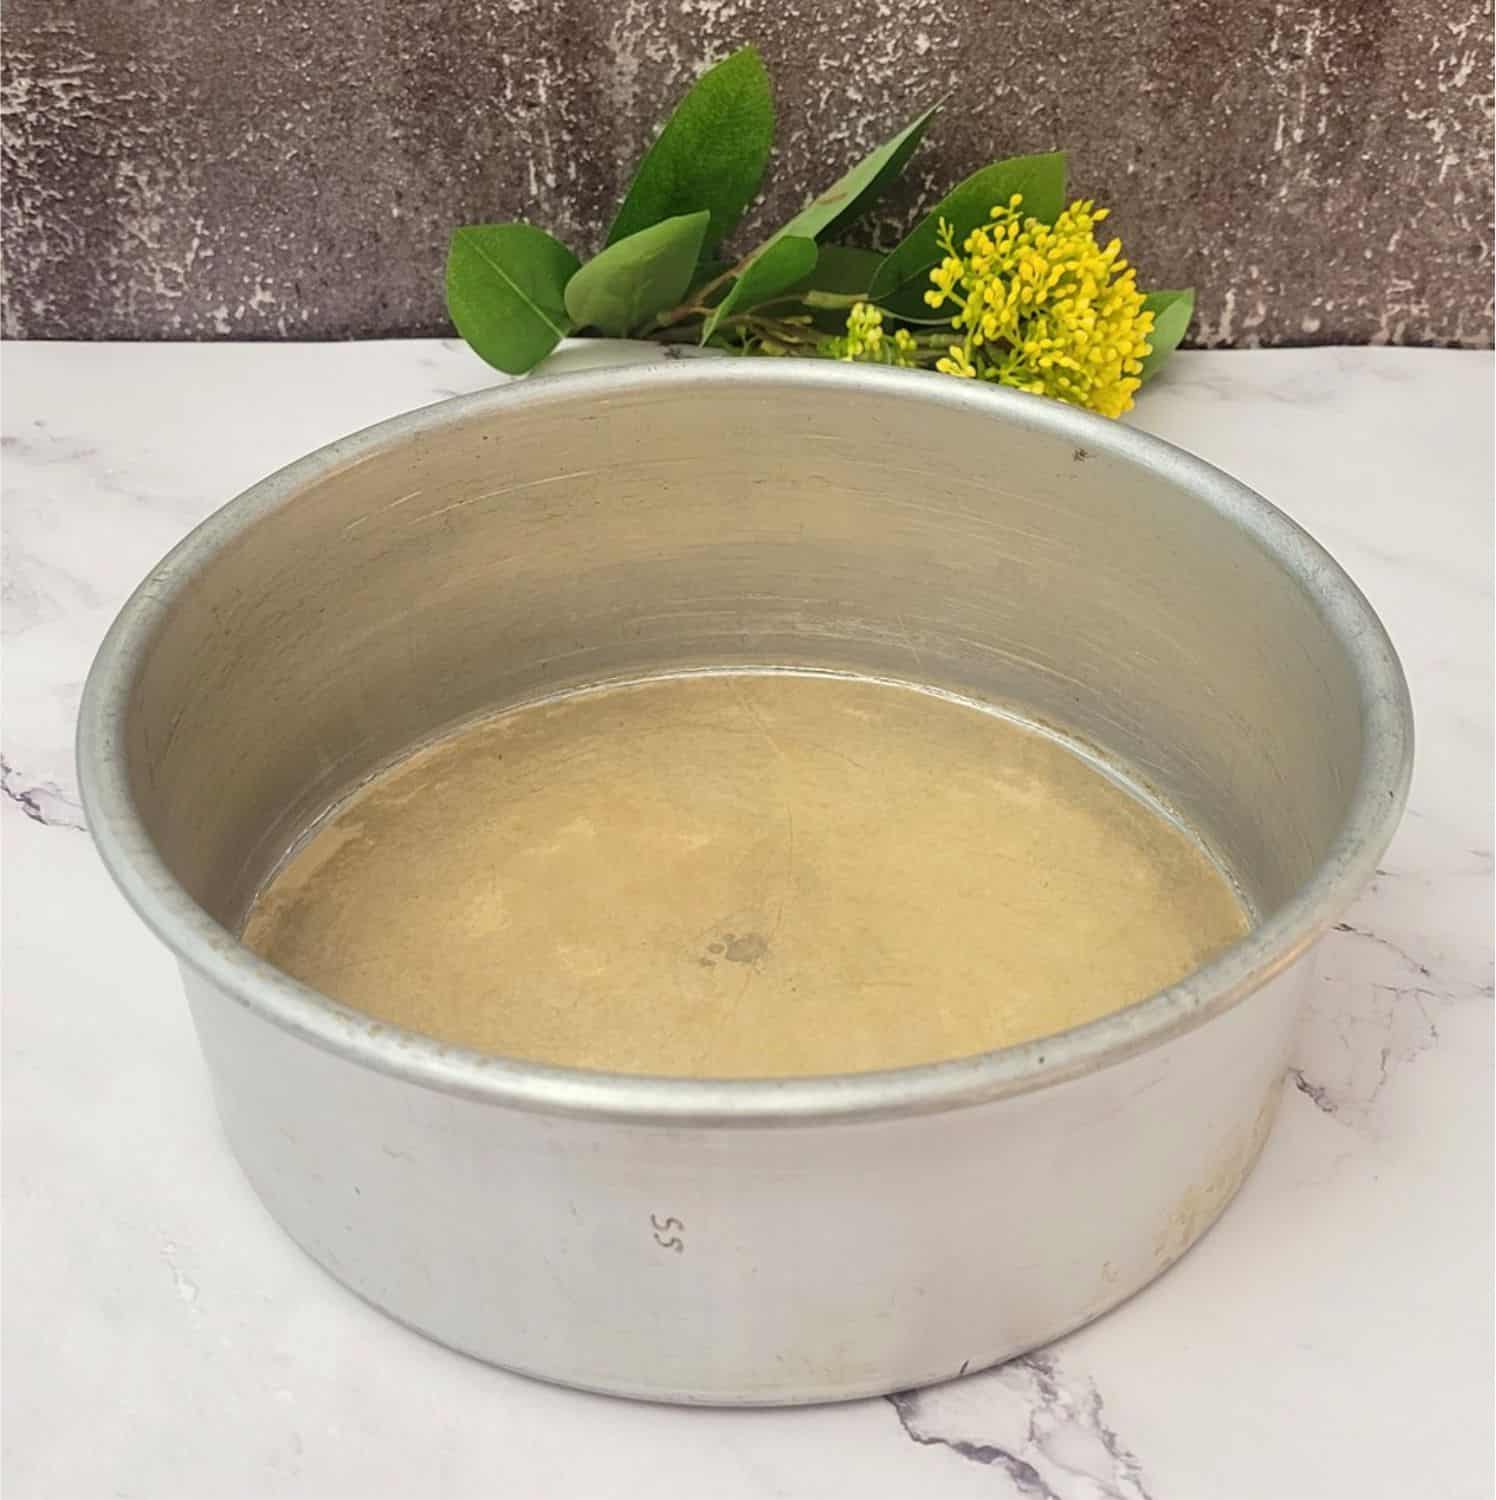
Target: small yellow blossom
<point>866,342</point>
<point>956,363</point>
<point>1043,308</point>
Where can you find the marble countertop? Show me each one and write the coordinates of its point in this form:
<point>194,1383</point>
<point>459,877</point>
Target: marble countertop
<point>162,1339</point>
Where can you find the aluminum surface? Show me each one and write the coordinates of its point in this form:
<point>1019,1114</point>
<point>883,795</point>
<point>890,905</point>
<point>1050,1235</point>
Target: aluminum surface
<point>745,1241</point>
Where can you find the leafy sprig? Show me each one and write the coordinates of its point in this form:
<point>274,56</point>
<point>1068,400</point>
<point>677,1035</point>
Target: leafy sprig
<point>515,291</point>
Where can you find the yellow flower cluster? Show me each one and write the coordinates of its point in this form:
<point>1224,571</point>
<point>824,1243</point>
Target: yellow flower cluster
<point>866,342</point>
<point>1044,308</point>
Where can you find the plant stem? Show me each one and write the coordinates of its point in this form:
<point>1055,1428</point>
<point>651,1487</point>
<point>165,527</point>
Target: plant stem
<point>788,333</point>
<point>698,308</point>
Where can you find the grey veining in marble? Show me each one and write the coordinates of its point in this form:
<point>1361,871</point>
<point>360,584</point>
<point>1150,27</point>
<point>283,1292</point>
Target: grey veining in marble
<point>1328,1340</point>
<point>1044,1432</point>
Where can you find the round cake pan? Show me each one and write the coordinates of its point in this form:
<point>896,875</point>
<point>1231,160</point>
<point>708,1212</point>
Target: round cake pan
<point>745,1241</point>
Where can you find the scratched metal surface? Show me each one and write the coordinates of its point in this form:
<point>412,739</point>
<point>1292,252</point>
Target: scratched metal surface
<point>1320,171</point>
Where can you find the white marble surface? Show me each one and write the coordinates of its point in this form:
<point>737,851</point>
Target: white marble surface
<point>1331,1338</point>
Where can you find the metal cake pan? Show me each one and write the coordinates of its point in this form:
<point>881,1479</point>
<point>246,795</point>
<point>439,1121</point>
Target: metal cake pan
<point>745,1241</point>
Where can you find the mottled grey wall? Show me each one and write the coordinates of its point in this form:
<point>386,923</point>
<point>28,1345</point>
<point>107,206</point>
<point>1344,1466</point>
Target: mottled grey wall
<point>272,169</point>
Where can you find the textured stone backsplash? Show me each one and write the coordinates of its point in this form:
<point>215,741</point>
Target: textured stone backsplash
<point>291,169</point>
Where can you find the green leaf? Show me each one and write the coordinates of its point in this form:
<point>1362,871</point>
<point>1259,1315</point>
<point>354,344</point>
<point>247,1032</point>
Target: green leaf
<point>841,269</point>
<point>786,259</point>
<point>1172,312</point>
<point>506,292</point>
<point>842,275</point>
<point>629,282</point>
<point>789,255</point>
<point>708,270</point>
<point>904,277</point>
<point>711,153</point>
<point>854,192</point>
